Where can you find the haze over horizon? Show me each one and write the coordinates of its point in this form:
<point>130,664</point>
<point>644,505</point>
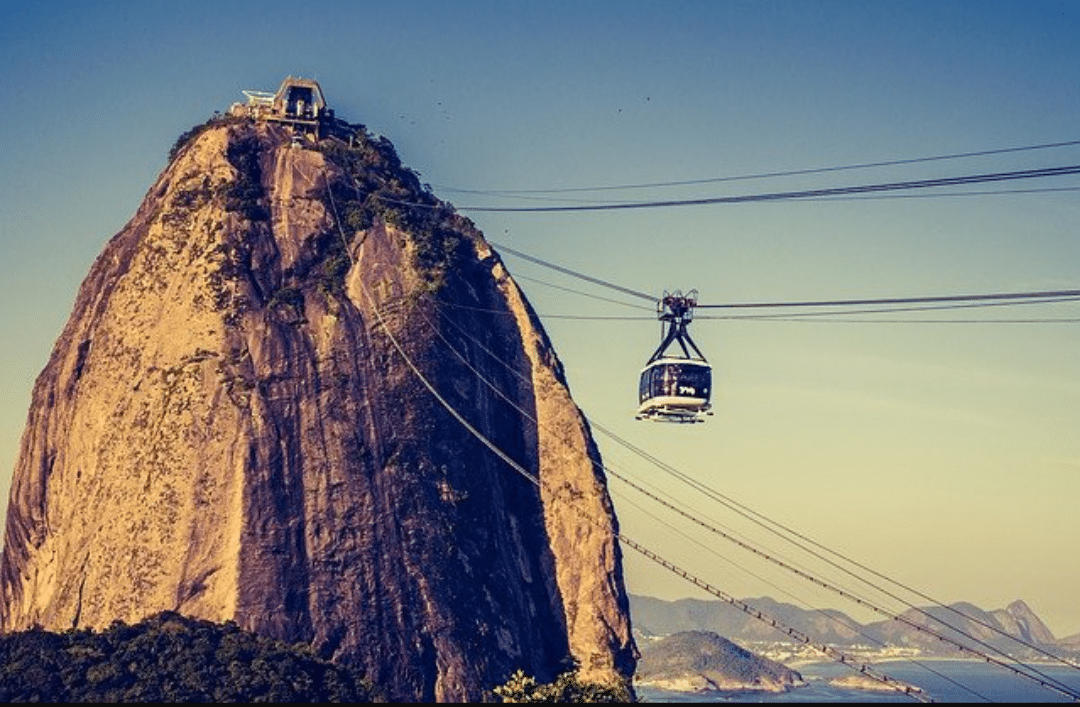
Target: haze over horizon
<point>943,455</point>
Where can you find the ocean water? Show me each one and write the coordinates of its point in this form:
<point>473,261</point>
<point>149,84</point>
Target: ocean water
<point>940,680</point>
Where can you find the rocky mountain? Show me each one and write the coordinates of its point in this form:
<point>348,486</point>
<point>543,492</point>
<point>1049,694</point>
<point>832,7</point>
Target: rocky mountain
<point>964,619</point>
<point>656,617</point>
<point>701,661</point>
<point>298,392</point>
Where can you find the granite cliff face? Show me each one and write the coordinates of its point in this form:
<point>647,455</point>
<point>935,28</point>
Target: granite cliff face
<point>230,427</point>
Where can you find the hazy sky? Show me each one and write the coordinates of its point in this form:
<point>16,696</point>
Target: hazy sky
<point>944,455</point>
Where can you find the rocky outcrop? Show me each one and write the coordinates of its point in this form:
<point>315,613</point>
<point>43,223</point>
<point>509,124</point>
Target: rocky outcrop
<point>1017,619</point>
<point>300,393</point>
<point>702,661</point>
<point>936,630</point>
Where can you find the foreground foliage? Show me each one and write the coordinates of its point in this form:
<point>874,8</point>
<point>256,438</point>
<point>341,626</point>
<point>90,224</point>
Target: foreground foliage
<point>566,688</point>
<point>168,658</point>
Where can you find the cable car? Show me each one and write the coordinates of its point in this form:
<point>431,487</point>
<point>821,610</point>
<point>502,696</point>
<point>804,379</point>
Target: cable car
<point>675,388</point>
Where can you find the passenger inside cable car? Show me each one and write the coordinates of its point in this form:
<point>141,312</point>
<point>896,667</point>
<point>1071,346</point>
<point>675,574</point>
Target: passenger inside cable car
<point>675,389</point>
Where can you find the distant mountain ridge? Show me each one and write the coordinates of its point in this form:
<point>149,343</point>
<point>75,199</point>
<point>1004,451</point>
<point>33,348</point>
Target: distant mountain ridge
<point>654,617</point>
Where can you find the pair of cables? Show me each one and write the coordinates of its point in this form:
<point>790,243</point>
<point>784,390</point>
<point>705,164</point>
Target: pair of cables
<point>975,646</point>
<point>656,557</point>
<point>880,304</point>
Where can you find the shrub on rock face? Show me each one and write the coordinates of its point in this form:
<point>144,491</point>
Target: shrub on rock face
<point>565,688</point>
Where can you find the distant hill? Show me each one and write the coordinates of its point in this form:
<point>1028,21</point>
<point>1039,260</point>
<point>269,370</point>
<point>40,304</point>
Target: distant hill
<point>657,617</point>
<point>1072,642</point>
<point>654,617</point>
<point>1016,620</point>
<point>700,661</point>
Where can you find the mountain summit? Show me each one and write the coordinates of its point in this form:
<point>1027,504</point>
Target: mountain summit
<point>300,393</point>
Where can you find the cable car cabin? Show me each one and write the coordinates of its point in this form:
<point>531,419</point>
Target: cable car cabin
<point>675,390</point>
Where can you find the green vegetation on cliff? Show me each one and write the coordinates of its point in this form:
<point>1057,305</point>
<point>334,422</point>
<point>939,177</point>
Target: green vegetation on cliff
<point>169,658</point>
<point>380,188</point>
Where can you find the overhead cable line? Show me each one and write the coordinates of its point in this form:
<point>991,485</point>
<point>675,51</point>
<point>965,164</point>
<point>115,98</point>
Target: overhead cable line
<point>749,514</point>
<point>1045,296</point>
<point>1038,676</point>
<point>1053,320</point>
<point>813,317</point>
<point>572,273</point>
<point>1048,295</point>
<point>1035,675</point>
<point>793,195</point>
<point>963,303</point>
<point>831,616</point>
<point>579,292</point>
<point>940,195</point>
<point>776,527</point>
<point>978,300</point>
<point>827,650</point>
<point>764,175</point>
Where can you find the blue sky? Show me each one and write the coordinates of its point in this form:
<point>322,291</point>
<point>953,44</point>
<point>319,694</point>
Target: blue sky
<point>943,455</point>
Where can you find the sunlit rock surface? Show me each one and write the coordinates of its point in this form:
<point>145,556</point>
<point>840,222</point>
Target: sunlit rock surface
<point>227,428</point>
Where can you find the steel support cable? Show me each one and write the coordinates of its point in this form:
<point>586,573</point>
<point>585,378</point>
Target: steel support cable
<point>1049,295</point>
<point>803,194</point>
<point>821,316</point>
<point>891,196</point>
<point>926,308</point>
<point>536,481</point>
<point>1045,681</point>
<point>942,195</point>
<point>843,658</point>
<point>1066,320</point>
<point>572,273</point>
<point>580,292</point>
<point>1038,677</point>
<point>765,175</point>
<point>806,317</point>
<point>828,616</point>
<point>797,635</point>
<point>539,483</point>
<point>980,300</point>
<point>781,563</point>
<point>765,523</point>
<point>606,467</point>
<point>827,650</point>
<point>1027,298</point>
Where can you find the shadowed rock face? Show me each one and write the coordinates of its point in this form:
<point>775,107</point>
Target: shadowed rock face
<point>230,427</point>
